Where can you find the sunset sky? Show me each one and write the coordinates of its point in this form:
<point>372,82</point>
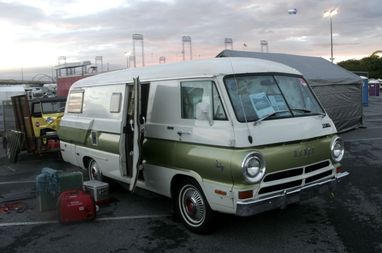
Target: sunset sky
<point>36,32</point>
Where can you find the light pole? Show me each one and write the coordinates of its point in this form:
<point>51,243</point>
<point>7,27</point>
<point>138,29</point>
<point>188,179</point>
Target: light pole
<point>330,13</point>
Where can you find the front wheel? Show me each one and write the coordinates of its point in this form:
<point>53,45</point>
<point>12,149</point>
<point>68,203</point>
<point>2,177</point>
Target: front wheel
<point>192,207</point>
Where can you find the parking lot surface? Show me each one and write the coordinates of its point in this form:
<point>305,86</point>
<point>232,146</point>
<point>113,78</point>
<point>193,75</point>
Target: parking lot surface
<point>349,220</point>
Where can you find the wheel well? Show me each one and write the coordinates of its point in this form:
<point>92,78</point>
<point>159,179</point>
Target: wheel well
<point>86,160</point>
<point>177,179</point>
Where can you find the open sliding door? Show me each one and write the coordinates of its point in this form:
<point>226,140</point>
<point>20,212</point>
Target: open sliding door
<point>137,95</point>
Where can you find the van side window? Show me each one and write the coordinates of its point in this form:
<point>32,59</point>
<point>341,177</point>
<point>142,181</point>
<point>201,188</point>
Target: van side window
<point>75,101</point>
<point>115,102</point>
<point>219,113</point>
<point>200,100</point>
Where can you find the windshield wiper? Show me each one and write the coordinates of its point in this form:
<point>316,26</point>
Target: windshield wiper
<point>265,117</point>
<point>304,110</point>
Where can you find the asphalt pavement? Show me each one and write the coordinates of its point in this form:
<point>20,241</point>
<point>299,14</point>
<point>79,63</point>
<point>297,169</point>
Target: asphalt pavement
<point>350,220</point>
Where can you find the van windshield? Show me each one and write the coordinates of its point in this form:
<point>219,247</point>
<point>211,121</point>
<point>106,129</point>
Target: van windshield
<point>256,97</point>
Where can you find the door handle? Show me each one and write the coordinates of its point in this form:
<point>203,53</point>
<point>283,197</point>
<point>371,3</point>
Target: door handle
<point>181,133</point>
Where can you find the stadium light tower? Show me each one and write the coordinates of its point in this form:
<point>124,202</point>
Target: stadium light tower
<point>99,59</point>
<point>60,59</point>
<point>264,45</point>
<point>138,37</point>
<point>228,43</point>
<point>162,60</point>
<point>186,40</point>
<point>330,13</point>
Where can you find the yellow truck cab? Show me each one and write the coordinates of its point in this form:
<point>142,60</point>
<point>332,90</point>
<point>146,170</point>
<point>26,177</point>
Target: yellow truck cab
<point>36,125</point>
<point>46,114</point>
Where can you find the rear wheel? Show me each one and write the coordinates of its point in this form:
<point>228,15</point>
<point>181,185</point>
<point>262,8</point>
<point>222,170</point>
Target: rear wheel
<point>94,171</point>
<point>192,207</point>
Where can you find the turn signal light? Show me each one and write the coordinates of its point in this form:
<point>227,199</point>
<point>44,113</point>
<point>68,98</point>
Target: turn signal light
<point>220,192</point>
<point>339,170</point>
<point>246,194</point>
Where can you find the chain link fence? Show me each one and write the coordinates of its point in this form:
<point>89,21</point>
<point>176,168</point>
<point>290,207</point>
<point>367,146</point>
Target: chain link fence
<point>7,117</point>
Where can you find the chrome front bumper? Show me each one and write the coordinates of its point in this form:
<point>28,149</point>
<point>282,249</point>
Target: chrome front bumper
<point>286,197</point>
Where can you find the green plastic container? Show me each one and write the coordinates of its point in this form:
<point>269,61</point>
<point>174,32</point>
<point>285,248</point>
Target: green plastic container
<point>70,181</point>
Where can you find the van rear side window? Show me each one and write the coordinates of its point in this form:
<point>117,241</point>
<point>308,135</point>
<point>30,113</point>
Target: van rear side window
<point>115,102</point>
<point>75,101</point>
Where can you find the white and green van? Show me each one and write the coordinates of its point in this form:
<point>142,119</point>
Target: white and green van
<point>233,135</point>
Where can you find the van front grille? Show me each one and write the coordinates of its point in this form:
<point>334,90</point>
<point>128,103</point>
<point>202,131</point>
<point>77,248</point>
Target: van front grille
<point>283,174</point>
<point>318,176</point>
<point>280,187</point>
<point>286,179</point>
<point>316,166</point>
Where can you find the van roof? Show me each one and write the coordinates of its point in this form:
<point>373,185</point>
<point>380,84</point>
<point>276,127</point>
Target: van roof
<point>188,69</point>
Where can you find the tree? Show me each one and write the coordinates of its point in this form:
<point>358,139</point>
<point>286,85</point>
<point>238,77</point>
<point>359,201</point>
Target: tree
<point>371,64</point>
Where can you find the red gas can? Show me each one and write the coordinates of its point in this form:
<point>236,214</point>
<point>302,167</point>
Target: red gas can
<point>75,205</point>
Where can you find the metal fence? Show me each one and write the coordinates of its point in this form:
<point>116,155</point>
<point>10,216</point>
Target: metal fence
<point>7,118</point>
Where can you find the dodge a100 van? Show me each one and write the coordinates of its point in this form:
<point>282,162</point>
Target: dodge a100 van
<point>233,135</point>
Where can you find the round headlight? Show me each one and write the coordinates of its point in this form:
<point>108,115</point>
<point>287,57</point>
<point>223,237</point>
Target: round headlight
<point>337,149</point>
<point>49,120</point>
<point>253,167</point>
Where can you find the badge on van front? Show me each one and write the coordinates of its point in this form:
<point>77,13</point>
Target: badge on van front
<point>306,152</point>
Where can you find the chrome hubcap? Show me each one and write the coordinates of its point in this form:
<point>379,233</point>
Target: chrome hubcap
<point>192,205</point>
<point>94,172</point>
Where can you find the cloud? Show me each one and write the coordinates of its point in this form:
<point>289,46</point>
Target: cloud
<point>20,14</point>
<point>105,27</point>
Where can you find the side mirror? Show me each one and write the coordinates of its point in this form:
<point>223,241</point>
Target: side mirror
<point>203,112</point>
<point>208,117</point>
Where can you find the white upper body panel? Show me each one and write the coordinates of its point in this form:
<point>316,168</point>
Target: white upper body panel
<point>164,113</point>
<point>97,113</point>
<point>188,69</point>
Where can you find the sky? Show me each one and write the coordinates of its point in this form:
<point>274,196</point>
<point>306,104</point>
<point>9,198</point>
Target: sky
<point>34,33</point>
